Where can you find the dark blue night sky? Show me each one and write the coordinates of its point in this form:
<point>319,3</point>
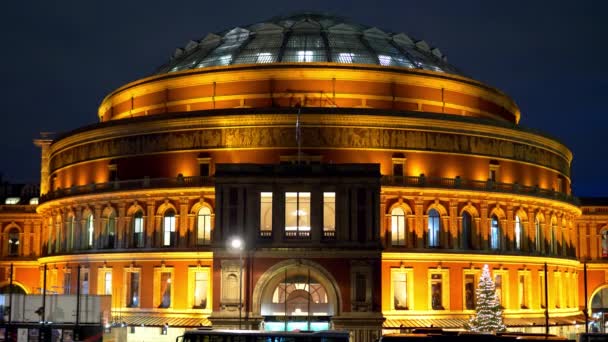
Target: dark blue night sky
<point>60,58</point>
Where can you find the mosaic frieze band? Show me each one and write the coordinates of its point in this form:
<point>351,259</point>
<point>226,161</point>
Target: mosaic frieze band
<point>312,137</point>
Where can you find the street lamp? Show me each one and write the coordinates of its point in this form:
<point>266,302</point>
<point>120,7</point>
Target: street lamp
<point>237,245</point>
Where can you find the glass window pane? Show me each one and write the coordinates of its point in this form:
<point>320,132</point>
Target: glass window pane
<point>400,291</point>
<point>223,55</point>
<point>305,48</point>
<point>263,48</point>
<point>266,211</point>
<point>329,211</point>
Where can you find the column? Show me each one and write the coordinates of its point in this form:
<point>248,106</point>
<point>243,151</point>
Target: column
<point>183,228</point>
<point>453,240</point>
<point>419,219</point>
<point>483,225</point>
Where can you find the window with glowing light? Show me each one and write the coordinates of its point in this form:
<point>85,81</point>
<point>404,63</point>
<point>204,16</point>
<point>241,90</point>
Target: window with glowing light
<point>169,228</point>
<point>13,242</point>
<point>434,228</point>
<point>494,232</point>
<point>524,288</point>
<point>90,228</point>
<point>305,56</point>
<point>165,290</point>
<point>132,288</point>
<point>329,214</point>
<point>345,57</point>
<point>518,232</point>
<point>199,288</point>
<point>398,228</point>
<point>384,60</point>
<point>604,236</point>
<point>297,214</point>
<point>402,286</point>
<point>264,57</point>
<point>12,200</point>
<point>298,295</point>
<point>437,291</point>
<point>265,214</point>
<point>138,230</point>
<point>84,281</point>
<point>203,226</point>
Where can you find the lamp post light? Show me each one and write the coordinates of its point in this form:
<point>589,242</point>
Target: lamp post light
<point>237,245</point>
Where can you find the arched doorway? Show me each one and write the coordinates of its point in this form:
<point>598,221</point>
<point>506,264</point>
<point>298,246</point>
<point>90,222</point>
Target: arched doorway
<point>296,295</point>
<point>599,310</point>
<point>5,289</point>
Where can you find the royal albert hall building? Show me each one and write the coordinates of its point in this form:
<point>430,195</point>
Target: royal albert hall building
<point>368,180</point>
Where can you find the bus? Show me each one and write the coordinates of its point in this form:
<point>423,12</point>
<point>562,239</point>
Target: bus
<point>205,335</point>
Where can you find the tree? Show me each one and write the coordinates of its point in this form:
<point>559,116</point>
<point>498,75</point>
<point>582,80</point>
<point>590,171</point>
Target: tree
<point>488,314</point>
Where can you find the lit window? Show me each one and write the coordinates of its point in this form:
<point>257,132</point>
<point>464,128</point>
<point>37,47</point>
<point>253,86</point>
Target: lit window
<point>34,200</point>
<point>329,213</point>
<point>518,232</point>
<point>106,279</point>
<point>264,57</point>
<point>67,282</point>
<point>494,233</point>
<point>132,289</point>
<point>138,230</point>
<point>345,57</point>
<point>169,228</point>
<point>165,290</point>
<point>305,56</point>
<point>498,283</point>
<point>434,227</point>
<point>297,214</point>
<point>225,59</point>
<point>265,213</point>
<point>90,230</point>
<point>541,286</point>
<point>12,200</point>
<point>84,281</point>
<point>13,242</point>
<point>401,300</point>
<point>201,283</point>
<point>203,226</point>
<point>398,227</point>
<point>604,237</point>
<point>384,60</point>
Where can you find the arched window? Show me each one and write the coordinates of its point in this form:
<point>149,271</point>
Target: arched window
<point>494,233</point>
<point>110,230</point>
<point>169,228</point>
<point>539,234</point>
<point>467,230</point>
<point>13,242</point>
<point>138,230</point>
<point>553,237</point>
<point>203,226</point>
<point>518,232</point>
<point>70,223</point>
<point>398,227</point>
<point>90,229</point>
<point>434,227</point>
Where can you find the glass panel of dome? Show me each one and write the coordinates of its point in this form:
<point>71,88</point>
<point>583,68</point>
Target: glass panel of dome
<point>420,59</point>
<point>223,54</point>
<point>388,55</point>
<point>189,61</point>
<point>12,200</point>
<point>305,48</point>
<point>345,57</point>
<point>349,43</point>
<point>264,48</point>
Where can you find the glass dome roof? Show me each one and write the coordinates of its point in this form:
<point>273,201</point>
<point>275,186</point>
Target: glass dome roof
<point>307,37</point>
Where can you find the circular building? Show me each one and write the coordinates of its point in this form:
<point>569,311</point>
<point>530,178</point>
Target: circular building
<point>367,180</point>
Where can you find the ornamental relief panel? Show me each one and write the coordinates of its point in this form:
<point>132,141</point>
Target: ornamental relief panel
<point>312,137</point>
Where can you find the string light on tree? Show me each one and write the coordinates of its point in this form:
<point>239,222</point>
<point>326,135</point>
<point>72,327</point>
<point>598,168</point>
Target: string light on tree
<point>488,314</point>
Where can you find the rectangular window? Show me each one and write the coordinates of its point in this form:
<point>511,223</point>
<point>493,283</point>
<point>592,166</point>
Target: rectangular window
<point>402,281</point>
<point>469,291</point>
<point>84,281</point>
<point>437,292</point>
<point>67,282</point>
<point>384,60</point>
<point>107,283</point>
<point>138,231</point>
<point>132,289</point>
<point>329,214</point>
<point>541,286</point>
<point>498,282</point>
<point>524,288</point>
<point>165,290</point>
<point>297,214</point>
<point>304,56</point>
<point>201,283</point>
<point>266,214</point>
<point>168,230</point>
<point>360,288</point>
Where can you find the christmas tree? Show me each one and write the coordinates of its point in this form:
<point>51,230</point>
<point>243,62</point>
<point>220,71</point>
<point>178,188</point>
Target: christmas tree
<point>488,315</point>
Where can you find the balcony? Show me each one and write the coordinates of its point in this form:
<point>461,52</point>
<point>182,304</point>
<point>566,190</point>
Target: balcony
<point>475,185</point>
<point>133,184</point>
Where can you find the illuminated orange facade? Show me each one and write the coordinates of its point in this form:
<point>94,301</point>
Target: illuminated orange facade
<point>145,201</point>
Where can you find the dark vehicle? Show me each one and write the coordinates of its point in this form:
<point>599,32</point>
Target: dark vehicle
<point>203,335</point>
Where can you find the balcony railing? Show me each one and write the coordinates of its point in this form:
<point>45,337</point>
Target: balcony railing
<point>133,184</point>
<point>467,184</point>
<point>405,181</point>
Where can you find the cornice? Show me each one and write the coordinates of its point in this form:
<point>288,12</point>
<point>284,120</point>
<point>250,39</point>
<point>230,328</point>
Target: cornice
<point>478,258</point>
